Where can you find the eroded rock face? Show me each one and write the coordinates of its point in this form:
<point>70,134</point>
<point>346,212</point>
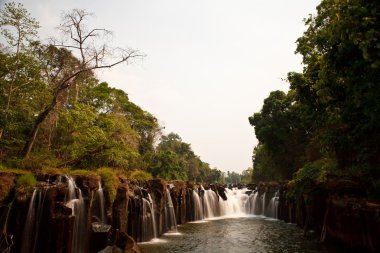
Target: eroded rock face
<point>157,189</point>
<point>336,212</point>
<point>178,194</point>
<point>354,222</point>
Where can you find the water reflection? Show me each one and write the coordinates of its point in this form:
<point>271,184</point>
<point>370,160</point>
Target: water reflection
<point>240,235</point>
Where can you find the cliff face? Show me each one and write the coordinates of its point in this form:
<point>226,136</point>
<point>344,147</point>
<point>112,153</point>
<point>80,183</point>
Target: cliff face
<point>338,211</point>
<point>71,214</point>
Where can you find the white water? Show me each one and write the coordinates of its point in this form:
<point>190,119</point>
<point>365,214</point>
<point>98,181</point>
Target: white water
<point>238,204</point>
<point>76,203</point>
<point>211,206</point>
<point>148,219</point>
<point>251,204</point>
<point>198,210</point>
<point>33,221</point>
<point>272,209</point>
<point>99,204</point>
<point>171,223</point>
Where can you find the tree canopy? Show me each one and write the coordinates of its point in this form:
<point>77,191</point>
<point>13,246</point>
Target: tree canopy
<point>330,116</point>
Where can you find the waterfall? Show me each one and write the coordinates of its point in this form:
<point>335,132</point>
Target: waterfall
<point>76,203</point>
<point>238,204</point>
<point>170,220</point>
<point>33,221</point>
<point>263,204</point>
<point>251,204</point>
<point>148,219</point>
<point>211,206</point>
<point>197,206</point>
<point>234,206</point>
<point>154,224</point>
<point>272,209</point>
<point>99,205</point>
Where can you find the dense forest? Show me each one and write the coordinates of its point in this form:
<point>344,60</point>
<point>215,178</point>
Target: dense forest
<point>55,113</point>
<point>328,123</point>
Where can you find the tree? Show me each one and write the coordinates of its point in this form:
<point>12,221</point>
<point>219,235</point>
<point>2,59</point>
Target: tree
<point>93,55</point>
<point>341,56</point>
<point>18,29</point>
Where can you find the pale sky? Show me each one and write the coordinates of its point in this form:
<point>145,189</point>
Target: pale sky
<point>209,65</point>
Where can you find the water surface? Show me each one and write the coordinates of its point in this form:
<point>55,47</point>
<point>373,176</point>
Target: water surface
<point>240,235</point>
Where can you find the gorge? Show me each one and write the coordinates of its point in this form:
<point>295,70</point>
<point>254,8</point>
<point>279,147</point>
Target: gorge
<point>73,213</point>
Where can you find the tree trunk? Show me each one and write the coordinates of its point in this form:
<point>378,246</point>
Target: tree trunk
<point>37,124</point>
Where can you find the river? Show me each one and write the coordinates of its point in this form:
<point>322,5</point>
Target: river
<point>250,234</point>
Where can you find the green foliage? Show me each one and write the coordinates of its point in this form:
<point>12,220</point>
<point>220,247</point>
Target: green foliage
<point>54,171</point>
<point>25,186</point>
<point>329,122</point>
<point>140,175</point>
<point>304,182</point>
<point>174,159</point>
<point>109,182</point>
<point>233,178</point>
<point>54,113</point>
<point>246,176</point>
<point>82,172</point>
<point>166,165</point>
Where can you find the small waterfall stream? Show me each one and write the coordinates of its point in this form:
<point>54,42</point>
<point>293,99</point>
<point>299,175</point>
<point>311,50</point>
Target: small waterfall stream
<point>272,209</point>
<point>149,229</point>
<point>75,201</point>
<point>99,209</point>
<point>171,223</point>
<point>198,210</point>
<point>33,221</point>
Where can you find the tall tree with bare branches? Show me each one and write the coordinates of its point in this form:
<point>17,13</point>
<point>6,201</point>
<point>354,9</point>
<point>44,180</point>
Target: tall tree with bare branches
<point>90,47</point>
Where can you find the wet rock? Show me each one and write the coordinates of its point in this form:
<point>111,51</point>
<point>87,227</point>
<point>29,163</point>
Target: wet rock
<point>120,208</point>
<point>99,236</point>
<point>124,244</point>
<point>178,194</point>
<point>157,189</point>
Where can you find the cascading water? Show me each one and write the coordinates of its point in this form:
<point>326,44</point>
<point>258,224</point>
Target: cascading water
<point>171,223</point>
<point>75,201</point>
<point>211,206</point>
<point>99,205</point>
<point>148,219</point>
<point>33,221</point>
<point>251,204</point>
<point>263,204</point>
<point>239,203</point>
<point>272,210</point>
<point>198,215</point>
<point>235,203</point>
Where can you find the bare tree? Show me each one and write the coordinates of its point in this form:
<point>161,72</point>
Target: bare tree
<point>90,46</point>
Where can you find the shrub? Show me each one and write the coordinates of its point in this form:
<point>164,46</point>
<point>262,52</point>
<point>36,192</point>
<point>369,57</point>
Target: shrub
<point>6,185</point>
<point>25,186</point>
<point>82,172</point>
<point>110,181</point>
<point>140,175</point>
<point>54,171</point>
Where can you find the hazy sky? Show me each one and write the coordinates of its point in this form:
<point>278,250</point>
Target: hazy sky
<point>209,65</point>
